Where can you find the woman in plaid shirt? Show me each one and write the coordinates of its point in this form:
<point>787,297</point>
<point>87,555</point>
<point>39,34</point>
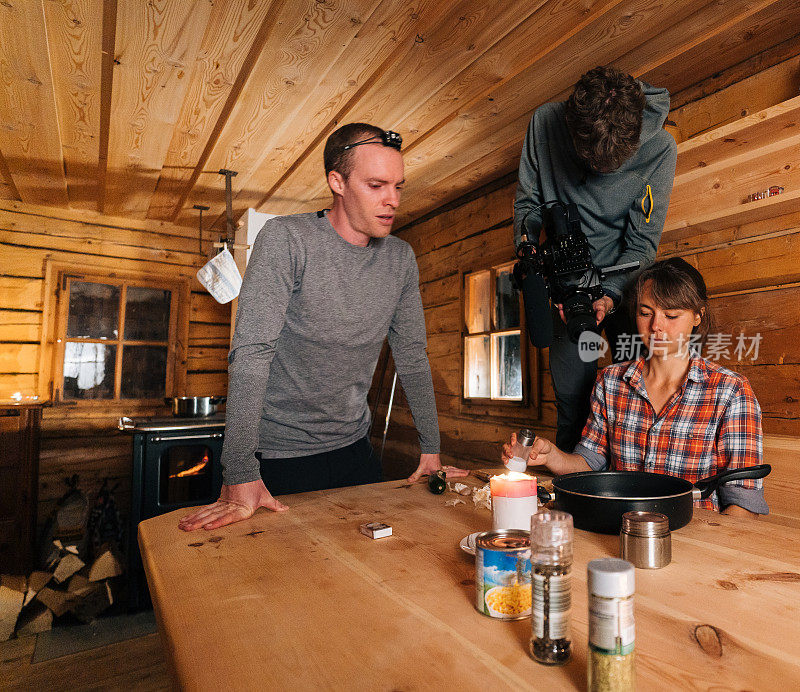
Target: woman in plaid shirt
<point>671,411</point>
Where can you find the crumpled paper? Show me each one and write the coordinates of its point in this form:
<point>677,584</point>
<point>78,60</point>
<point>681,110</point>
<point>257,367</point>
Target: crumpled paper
<point>482,497</point>
<point>459,488</point>
<point>455,501</point>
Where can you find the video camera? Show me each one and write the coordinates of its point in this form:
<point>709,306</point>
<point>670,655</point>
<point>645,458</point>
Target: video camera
<point>561,270</point>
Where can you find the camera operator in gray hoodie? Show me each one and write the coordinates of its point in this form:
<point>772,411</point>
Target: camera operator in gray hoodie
<point>605,150</point>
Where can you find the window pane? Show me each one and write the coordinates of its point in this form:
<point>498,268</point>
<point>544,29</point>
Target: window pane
<point>477,303</point>
<point>89,371</point>
<point>144,372</point>
<point>507,364</point>
<point>93,311</point>
<point>147,314</point>
<point>477,357</point>
<point>506,304</point>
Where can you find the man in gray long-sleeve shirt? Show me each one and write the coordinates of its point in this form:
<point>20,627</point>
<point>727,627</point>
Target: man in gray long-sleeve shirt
<point>321,293</point>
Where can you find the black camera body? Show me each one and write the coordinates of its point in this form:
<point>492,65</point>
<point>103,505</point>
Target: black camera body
<point>561,270</point>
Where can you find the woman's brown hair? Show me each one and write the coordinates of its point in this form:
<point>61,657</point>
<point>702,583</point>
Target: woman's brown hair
<point>676,285</point>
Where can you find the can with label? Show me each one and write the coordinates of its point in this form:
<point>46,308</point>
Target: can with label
<point>503,574</point>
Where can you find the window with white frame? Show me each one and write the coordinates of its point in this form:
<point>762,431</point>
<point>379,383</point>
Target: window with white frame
<point>493,336</point>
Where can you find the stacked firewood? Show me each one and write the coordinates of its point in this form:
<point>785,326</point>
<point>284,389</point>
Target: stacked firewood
<point>67,586</point>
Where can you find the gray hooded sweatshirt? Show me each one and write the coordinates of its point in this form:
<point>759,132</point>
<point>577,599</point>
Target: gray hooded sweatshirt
<point>622,212</point>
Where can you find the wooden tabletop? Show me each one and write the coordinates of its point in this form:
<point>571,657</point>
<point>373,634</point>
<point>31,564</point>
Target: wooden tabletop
<point>301,600</point>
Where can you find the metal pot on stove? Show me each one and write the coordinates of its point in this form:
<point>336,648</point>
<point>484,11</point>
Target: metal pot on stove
<point>194,406</point>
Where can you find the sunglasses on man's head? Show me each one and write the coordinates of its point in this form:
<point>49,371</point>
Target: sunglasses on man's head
<point>387,138</point>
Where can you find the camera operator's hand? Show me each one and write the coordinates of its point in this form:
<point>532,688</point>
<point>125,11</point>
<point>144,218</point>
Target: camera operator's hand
<point>602,307</point>
<point>561,312</point>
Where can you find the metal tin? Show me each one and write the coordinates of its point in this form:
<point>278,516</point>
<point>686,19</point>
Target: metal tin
<point>645,539</point>
<point>503,574</point>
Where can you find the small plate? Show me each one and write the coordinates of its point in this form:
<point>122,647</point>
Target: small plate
<point>468,543</point>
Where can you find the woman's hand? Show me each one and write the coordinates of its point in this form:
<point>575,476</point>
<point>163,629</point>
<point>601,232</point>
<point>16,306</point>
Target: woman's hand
<point>545,453</point>
<point>541,451</point>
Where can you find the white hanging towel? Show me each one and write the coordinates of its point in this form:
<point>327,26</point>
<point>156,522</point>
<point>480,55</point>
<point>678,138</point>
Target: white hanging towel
<point>221,277</point>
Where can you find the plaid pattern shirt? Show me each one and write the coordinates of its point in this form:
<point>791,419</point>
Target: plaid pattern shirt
<point>712,423</point>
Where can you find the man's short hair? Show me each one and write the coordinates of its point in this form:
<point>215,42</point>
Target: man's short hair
<point>604,117</point>
<point>339,159</point>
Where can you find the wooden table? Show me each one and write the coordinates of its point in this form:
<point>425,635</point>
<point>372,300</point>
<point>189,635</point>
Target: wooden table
<point>302,600</point>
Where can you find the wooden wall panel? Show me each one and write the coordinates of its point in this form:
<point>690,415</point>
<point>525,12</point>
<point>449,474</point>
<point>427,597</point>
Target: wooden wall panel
<point>77,440</point>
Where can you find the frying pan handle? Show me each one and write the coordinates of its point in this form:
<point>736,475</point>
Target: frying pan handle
<point>710,484</point>
<point>544,495</point>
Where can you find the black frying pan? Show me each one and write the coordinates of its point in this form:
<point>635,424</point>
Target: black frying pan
<point>598,499</point>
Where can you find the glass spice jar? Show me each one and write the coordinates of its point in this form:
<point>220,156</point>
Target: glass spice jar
<point>611,625</point>
<point>520,451</point>
<point>551,564</point>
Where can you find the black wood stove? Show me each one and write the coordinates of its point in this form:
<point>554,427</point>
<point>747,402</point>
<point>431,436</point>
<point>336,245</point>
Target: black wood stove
<point>176,463</point>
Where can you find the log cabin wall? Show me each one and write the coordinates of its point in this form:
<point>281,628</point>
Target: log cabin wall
<point>81,441</point>
<point>750,260</point>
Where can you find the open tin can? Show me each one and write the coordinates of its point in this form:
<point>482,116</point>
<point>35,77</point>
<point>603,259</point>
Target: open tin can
<point>503,574</point>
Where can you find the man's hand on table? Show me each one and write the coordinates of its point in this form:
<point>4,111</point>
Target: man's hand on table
<point>236,503</point>
<point>430,463</point>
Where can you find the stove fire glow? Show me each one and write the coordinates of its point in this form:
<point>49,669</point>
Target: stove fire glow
<point>195,470</point>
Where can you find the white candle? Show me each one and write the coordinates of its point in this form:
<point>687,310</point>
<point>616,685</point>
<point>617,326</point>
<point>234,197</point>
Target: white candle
<point>513,500</point>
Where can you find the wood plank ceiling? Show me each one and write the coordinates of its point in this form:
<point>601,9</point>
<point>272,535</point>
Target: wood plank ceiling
<point>130,107</point>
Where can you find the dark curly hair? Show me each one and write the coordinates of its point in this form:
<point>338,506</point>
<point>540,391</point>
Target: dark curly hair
<point>604,117</point>
<point>676,285</point>
<point>336,157</point>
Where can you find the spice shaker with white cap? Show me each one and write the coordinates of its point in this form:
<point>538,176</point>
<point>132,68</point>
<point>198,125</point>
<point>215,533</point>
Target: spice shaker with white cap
<point>611,584</point>
<point>520,451</point>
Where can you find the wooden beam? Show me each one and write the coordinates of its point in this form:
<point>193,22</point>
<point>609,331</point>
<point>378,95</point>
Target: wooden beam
<point>74,33</point>
<point>29,132</point>
<point>761,26</point>
<point>104,220</point>
<point>235,37</point>
<point>442,48</point>
<point>107,63</point>
<point>7,188</point>
<point>763,61</point>
<point>761,90</point>
<point>601,36</point>
<point>155,49</point>
<point>318,57</point>
<point>477,73</point>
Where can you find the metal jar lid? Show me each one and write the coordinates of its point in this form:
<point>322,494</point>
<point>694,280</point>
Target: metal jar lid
<point>504,540</point>
<point>648,524</point>
<point>526,437</point>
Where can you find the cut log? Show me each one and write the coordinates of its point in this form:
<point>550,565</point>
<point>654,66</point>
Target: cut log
<point>36,582</point>
<point>37,618</point>
<point>58,601</point>
<point>68,565</point>
<point>107,565</point>
<point>78,584</point>
<point>93,600</point>
<point>12,596</point>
